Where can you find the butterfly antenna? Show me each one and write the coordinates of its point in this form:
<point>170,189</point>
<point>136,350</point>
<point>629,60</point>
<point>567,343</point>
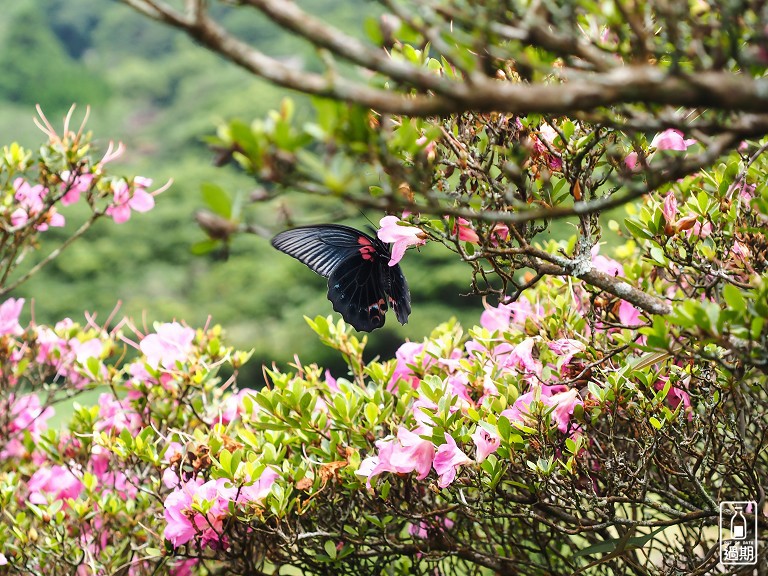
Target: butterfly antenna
<point>366,217</point>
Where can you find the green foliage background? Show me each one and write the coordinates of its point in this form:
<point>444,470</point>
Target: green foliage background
<point>159,93</point>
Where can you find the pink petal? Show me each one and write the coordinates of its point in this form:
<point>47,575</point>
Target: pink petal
<point>141,201</point>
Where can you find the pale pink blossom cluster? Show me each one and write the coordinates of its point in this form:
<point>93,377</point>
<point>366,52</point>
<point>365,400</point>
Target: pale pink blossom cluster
<point>199,509</point>
<point>417,450</point>
<point>32,206</point>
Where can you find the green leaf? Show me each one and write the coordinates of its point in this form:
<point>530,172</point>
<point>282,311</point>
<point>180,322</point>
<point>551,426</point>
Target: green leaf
<point>734,298</point>
<point>204,246</point>
<point>217,199</point>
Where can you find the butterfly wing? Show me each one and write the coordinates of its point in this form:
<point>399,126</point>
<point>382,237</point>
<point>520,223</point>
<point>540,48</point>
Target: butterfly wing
<point>356,289</point>
<point>323,248</point>
<point>398,295</point>
<point>361,284</point>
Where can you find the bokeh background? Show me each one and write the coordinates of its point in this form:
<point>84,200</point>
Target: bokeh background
<point>161,94</point>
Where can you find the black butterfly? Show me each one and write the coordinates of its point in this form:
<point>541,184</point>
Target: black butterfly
<point>361,284</point>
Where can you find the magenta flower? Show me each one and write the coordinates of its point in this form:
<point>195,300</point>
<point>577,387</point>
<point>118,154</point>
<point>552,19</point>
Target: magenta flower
<point>447,460</point>
<point>562,398</point>
<point>485,442</point>
<point>669,208</point>
<point>401,236</point>
<point>29,197</point>
<point>521,357</point>
<point>466,233</point>
<point>53,483</point>
<point>566,348</point>
<point>628,314</point>
<point>172,343</point>
<point>671,139</point>
<point>564,403</point>
<point>402,455</point>
<point>10,310</point>
<point>184,522</point>
<point>115,416</point>
<point>257,491</point>
<point>74,184</point>
<point>605,264</point>
<point>409,354</point>
<point>125,201</point>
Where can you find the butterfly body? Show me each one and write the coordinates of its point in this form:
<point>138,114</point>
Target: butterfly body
<point>361,284</point>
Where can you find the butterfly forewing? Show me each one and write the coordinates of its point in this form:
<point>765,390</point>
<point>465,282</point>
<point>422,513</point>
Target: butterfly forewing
<point>361,284</point>
<point>323,247</point>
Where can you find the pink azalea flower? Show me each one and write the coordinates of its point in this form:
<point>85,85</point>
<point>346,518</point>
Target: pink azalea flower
<point>401,237</point>
<point>700,230</point>
<point>115,416</point>
<point>29,197</point>
<point>179,528</point>
<point>563,399</point>
<point>566,348</point>
<point>485,442</point>
<point>402,455</point>
<point>466,233</point>
<point>232,406</point>
<point>19,217</point>
<point>631,160</point>
<point>53,483</point>
<point>184,567</point>
<point>564,403</point>
<point>447,460</point>
<point>3,559</point>
<point>331,381</point>
<point>628,314</point>
<point>10,310</point>
<point>605,264</point>
<point>409,354</point>
<point>124,201</point>
<point>74,184</point>
<point>172,343</point>
<point>496,318</point>
<point>669,208</point>
<point>183,522</point>
<point>259,490</point>
<point>522,358</point>
<point>671,139</point>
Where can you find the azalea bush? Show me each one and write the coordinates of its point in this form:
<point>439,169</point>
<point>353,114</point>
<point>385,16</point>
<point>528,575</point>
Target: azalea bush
<point>608,197</point>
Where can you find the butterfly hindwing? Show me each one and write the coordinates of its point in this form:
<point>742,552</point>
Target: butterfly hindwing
<point>398,295</point>
<point>322,248</point>
<point>357,293</point>
<point>361,284</point>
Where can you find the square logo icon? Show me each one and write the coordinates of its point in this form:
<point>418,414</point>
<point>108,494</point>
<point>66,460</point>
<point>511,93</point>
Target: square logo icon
<point>738,533</point>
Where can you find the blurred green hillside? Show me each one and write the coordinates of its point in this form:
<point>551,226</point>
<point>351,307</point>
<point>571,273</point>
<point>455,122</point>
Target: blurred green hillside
<point>160,94</point>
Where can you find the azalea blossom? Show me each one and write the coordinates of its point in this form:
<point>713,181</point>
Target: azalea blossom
<point>406,453</point>
<point>10,310</point>
<point>485,442</point>
<point>53,483</point>
<point>172,343</point>
<point>74,184</point>
<point>400,236</point>
<point>562,398</point>
<point>465,231</point>
<point>184,522</point>
<point>447,461</point>
<point>124,201</point>
<point>671,139</point>
<point>606,264</point>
